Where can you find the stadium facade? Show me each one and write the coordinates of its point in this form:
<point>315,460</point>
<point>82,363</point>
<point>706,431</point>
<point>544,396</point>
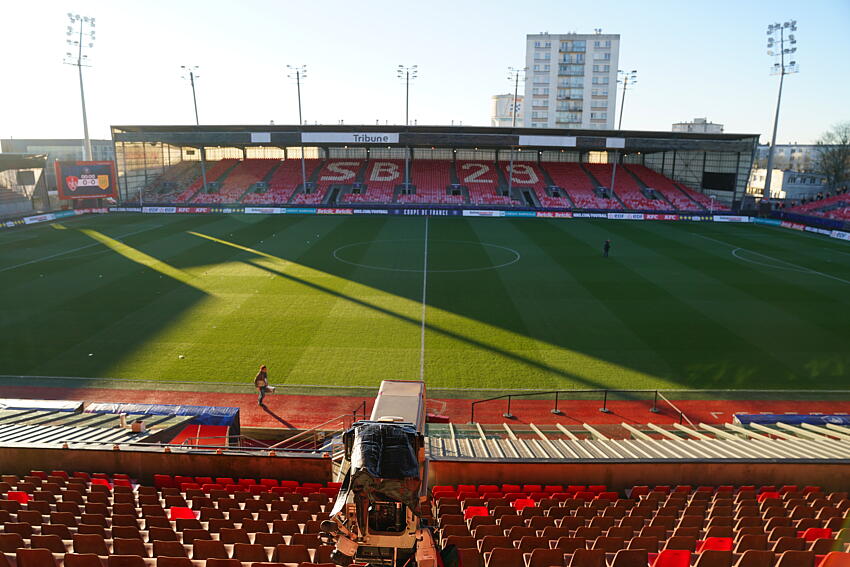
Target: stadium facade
<point>439,165</point>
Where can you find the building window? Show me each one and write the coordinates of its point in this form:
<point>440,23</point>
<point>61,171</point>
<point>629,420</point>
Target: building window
<point>600,80</point>
<point>601,68</point>
<point>538,44</point>
<point>602,56</point>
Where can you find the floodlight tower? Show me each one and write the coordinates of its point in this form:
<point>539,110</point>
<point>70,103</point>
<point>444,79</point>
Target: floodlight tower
<point>407,74</point>
<point>190,72</point>
<point>81,28</point>
<point>779,45</point>
<point>516,75</point>
<point>628,79</point>
<point>299,72</point>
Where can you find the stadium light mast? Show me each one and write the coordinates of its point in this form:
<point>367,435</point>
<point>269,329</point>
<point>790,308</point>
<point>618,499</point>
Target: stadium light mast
<point>778,46</point>
<point>299,72</point>
<point>516,75</point>
<point>84,40</point>
<point>407,74</point>
<point>191,73</point>
<point>628,80</point>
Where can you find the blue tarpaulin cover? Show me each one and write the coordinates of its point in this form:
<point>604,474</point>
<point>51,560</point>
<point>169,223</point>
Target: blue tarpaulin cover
<point>204,415</point>
<point>791,419</point>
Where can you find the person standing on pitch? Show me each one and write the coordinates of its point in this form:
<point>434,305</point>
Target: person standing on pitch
<point>261,382</point>
<point>606,247</point>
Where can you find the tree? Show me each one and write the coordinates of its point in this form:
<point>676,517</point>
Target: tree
<point>833,157</point>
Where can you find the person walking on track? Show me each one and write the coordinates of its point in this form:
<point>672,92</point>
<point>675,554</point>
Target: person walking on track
<point>261,382</point>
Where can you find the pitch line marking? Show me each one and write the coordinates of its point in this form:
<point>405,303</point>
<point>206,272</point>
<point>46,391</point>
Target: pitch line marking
<point>51,256</point>
<point>517,257</point>
<point>794,267</point>
<point>424,290</point>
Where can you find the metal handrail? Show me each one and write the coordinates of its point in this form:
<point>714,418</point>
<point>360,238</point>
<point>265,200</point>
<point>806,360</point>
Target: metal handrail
<point>558,393</point>
<point>314,430</point>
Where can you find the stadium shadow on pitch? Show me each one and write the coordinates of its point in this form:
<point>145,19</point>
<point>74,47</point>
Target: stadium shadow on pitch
<point>436,329</point>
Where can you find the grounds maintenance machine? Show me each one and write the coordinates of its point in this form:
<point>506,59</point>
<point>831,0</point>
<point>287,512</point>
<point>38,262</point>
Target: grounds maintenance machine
<point>376,519</point>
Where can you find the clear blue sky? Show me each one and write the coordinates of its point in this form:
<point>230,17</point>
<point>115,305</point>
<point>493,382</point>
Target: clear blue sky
<point>694,58</point>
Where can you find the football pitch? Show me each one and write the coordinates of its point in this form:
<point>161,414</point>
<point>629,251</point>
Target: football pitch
<point>465,303</point>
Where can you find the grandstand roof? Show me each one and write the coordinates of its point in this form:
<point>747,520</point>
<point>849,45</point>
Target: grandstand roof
<point>39,426</point>
<point>702,443</point>
<point>437,136</point>
<point>22,161</point>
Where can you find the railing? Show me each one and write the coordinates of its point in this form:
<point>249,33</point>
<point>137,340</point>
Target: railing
<point>320,433</point>
<point>559,393</point>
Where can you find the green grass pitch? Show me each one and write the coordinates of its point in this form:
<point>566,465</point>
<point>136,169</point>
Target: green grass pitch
<point>335,300</point>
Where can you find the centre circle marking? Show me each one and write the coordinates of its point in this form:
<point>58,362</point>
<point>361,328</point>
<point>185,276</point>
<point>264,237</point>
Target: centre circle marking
<point>514,260</point>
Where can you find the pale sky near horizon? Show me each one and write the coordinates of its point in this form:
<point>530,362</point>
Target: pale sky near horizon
<point>694,59</point>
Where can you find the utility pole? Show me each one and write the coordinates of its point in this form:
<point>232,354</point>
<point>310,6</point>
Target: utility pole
<point>191,74</point>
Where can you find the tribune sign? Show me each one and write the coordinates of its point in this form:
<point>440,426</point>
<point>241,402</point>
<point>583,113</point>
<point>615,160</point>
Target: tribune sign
<point>86,179</point>
<point>349,138</point>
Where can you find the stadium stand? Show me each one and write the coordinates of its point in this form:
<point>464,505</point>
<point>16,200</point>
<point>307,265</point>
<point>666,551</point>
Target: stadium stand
<point>61,518</point>
<point>702,199</point>
<point>246,173</point>
<point>836,207</point>
<point>626,188</point>
<point>283,182</point>
<point>431,179</point>
<point>333,172</point>
<point>680,200</point>
<point>528,175</point>
<point>173,181</point>
<point>381,179</point>
<point>214,171</point>
<point>580,188</point>
<point>483,182</point>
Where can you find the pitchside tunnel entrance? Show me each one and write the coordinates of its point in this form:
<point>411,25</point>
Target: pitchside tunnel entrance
<point>591,170</point>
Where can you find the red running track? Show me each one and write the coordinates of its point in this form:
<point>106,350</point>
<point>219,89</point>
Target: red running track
<point>302,412</point>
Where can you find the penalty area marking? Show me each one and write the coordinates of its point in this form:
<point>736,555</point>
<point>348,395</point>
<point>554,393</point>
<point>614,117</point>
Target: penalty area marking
<point>793,267</point>
<point>514,260</point>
